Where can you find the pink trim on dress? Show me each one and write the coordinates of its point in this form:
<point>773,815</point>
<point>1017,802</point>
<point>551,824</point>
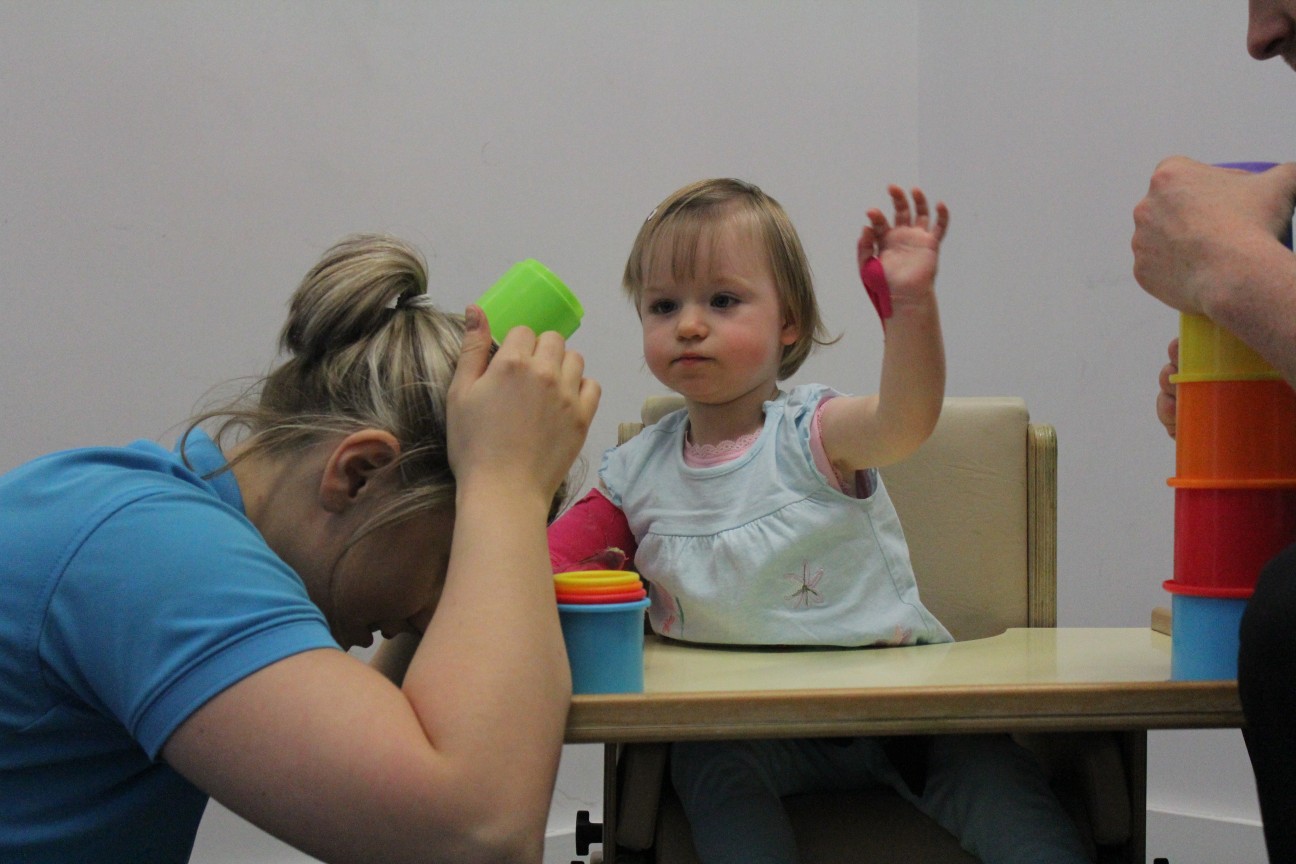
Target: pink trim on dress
<point>710,455</point>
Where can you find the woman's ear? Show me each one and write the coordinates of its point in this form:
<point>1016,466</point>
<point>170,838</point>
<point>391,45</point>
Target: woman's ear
<point>354,462</point>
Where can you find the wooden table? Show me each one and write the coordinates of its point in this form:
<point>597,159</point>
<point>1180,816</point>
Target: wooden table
<point>1023,680</point>
<point>1036,679</point>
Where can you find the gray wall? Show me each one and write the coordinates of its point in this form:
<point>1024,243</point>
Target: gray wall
<point>169,171</point>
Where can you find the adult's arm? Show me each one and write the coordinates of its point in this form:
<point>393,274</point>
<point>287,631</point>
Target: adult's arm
<point>1208,241</point>
<point>458,763</point>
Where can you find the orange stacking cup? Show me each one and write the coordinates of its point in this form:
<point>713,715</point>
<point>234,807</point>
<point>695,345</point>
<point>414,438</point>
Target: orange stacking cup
<point>1229,430</point>
<point>628,596</point>
<point>582,587</point>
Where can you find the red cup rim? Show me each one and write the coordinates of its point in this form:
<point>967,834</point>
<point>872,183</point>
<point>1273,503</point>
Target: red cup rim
<point>621,597</point>
<point>619,588</point>
<point>1213,592</point>
<point>1232,483</point>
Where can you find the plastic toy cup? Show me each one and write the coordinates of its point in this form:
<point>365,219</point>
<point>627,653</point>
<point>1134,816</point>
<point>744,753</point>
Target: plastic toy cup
<point>1204,638</point>
<point>604,645</point>
<point>596,578</point>
<point>530,294</point>
<point>1235,430</point>
<point>1207,352</point>
<point>629,596</point>
<point>1257,168</point>
<point>1225,536</point>
<point>1253,167</point>
<point>620,587</point>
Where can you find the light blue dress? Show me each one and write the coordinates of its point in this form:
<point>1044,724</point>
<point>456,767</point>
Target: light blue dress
<point>763,550</point>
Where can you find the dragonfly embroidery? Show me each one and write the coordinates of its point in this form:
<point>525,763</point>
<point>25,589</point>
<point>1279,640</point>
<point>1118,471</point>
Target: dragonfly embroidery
<point>673,613</point>
<point>807,593</point>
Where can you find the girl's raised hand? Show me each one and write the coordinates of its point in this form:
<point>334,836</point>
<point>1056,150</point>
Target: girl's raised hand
<point>907,249</point>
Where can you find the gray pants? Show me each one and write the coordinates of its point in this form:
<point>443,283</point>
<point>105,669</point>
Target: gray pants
<point>986,790</point>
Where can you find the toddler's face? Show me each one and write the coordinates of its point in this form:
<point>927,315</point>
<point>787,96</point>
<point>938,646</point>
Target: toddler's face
<point>717,333</point>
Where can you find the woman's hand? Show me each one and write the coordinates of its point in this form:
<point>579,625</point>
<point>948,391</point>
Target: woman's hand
<point>523,413</point>
<point>1165,402</point>
<point>1197,230</point>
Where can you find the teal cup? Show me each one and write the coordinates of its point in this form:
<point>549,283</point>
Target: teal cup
<point>1204,641</point>
<point>604,645</point>
<point>529,294</point>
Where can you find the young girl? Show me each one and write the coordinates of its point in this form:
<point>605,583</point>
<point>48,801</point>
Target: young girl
<point>759,516</point>
<point>171,620</point>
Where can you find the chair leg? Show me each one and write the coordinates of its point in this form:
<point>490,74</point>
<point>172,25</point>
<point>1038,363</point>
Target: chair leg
<point>604,833</point>
<point>609,803</point>
<point>1134,749</point>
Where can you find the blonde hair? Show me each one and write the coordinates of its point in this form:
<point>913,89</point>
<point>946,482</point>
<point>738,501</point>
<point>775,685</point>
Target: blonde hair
<point>366,349</point>
<point>688,217</point>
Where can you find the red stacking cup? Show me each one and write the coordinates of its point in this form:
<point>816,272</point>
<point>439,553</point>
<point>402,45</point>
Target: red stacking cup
<point>1224,536</point>
<point>610,597</point>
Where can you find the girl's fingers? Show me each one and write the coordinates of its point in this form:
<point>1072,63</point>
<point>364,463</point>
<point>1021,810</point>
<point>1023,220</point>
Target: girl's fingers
<point>901,203</point>
<point>864,248</point>
<point>942,221</point>
<point>918,216</point>
<point>920,208</point>
<point>871,235</point>
<point>878,224</point>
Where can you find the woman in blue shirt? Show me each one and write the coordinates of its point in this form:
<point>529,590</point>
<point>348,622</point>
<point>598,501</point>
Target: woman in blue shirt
<point>170,621</point>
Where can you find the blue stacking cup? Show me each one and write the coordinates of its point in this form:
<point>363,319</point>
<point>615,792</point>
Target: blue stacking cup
<point>1204,637</point>
<point>604,645</point>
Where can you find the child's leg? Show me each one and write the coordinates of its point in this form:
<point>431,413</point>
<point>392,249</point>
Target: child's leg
<point>731,790</point>
<point>989,792</point>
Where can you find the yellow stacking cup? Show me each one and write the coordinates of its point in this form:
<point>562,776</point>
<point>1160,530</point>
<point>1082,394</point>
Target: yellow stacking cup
<point>1208,352</point>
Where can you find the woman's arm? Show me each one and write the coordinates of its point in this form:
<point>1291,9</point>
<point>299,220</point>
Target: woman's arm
<point>459,763</point>
<point>1207,241</point>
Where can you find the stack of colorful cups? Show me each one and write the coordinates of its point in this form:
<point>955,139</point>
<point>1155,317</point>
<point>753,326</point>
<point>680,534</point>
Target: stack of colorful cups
<point>602,617</point>
<point>1235,491</point>
<point>1235,487</point>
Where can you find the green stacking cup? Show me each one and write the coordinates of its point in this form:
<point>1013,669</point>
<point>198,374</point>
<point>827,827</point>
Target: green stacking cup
<point>530,294</point>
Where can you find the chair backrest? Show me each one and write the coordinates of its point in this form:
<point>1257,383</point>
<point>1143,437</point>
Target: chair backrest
<point>978,504</point>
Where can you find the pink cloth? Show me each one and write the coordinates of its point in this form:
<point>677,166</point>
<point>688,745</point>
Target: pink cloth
<point>875,283</point>
<point>592,534</point>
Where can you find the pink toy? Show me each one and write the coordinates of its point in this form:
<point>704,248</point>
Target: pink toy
<point>875,282</point>
<point>592,535</point>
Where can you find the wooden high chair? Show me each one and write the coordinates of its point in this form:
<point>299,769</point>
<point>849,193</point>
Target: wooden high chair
<point>978,504</point>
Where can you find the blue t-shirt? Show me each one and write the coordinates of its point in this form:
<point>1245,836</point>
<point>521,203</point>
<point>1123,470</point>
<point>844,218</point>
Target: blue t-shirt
<point>132,590</point>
